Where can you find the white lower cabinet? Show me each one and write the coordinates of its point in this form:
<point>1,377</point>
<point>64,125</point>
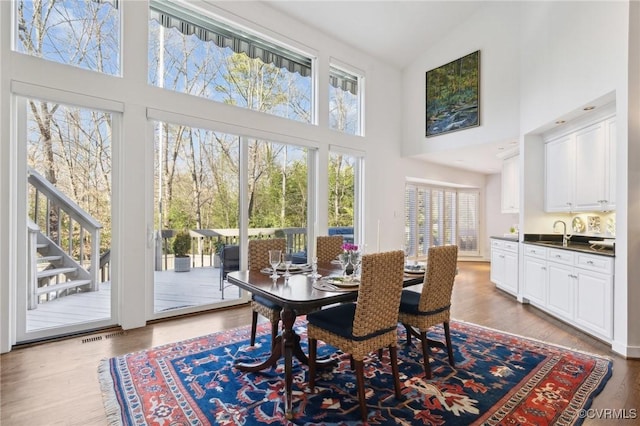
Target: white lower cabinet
<point>504,265</point>
<point>535,275</point>
<point>561,293</point>
<point>594,299</point>
<point>575,287</point>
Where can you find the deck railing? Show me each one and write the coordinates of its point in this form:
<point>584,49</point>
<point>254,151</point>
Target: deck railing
<point>205,241</point>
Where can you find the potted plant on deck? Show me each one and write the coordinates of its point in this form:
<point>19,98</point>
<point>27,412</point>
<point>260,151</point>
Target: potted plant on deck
<point>181,247</point>
<point>219,245</point>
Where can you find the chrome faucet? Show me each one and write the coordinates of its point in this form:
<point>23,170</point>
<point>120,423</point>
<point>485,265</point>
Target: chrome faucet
<point>565,237</point>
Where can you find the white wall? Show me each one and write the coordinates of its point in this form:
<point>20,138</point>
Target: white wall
<point>493,31</point>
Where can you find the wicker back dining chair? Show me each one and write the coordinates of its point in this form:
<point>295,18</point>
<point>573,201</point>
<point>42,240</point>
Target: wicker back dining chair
<point>365,326</point>
<point>258,259</point>
<point>328,247</point>
<point>420,311</point>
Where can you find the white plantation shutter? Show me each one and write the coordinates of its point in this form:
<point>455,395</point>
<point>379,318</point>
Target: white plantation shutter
<point>440,216</point>
<point>468,222</point>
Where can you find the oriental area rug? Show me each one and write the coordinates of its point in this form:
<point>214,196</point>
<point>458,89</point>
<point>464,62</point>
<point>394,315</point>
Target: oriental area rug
<point>498,379</point>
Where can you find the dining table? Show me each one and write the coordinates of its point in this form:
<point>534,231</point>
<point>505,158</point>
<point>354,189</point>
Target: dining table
<point>299,292</point>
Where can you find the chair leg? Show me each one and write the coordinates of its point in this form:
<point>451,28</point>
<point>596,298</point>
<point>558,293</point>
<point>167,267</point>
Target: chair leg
<point>274,333</point>
<point>393,356</point>
<point>361,394</point>
<point>380,354</point>
<point>408,333</point>
<point>447,336</point>
<point>254,326</point>
<point>426,353</point>
<point>313,347</point>
<point>351,362</point>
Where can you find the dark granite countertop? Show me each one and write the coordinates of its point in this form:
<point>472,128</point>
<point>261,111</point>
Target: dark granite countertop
<point>576,243</point>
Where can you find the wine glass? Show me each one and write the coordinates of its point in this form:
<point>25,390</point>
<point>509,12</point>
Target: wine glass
<point>314,268</point>
<point>407,252</point>
<point>274,261</point>
<point>287,257</point>
<point>343,258</point>
<point>356,259</point>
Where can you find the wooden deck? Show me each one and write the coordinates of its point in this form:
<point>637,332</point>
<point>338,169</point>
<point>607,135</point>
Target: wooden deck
<point>172,290</point>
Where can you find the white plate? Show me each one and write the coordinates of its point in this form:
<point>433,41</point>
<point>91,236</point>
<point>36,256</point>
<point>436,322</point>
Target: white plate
<point>414,271</point>
<point>341,282</point>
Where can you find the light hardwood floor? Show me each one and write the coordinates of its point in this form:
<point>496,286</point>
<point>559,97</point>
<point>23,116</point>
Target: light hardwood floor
<point>56,383</point>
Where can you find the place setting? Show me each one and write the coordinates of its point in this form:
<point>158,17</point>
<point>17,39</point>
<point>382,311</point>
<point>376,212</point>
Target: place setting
<point>415,269</point>
<point>337,283</point>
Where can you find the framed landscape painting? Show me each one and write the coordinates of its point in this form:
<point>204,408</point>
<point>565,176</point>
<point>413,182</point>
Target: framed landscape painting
<point>453,95</point>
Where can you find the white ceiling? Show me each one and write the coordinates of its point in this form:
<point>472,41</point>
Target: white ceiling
<point>389,30</point>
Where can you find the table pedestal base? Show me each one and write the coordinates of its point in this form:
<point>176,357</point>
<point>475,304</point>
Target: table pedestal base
<point>287,344</point>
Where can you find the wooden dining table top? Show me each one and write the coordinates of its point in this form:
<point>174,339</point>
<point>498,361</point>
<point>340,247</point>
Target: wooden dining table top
<point>298,290</point>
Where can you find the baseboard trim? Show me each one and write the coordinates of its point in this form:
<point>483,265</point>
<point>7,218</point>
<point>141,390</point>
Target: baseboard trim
<point>625,351</point>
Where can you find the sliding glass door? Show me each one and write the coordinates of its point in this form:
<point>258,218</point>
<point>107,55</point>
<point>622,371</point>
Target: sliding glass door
<point>197,193</point>
<point>65,280</point>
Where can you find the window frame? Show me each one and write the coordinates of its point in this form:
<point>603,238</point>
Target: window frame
<point>234,33</point>
<point>338,67</point>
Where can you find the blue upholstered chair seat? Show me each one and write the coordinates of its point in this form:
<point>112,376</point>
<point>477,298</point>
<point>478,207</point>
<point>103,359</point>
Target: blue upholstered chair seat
<point>339,320</point>
<point>266,302</point>
<point>409,302</point>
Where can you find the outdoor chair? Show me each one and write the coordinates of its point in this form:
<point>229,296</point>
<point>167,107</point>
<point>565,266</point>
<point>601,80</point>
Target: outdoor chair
<point>364,326</point>
<point>420,311</point>
<point>229,262</point>
<point>328,247</point>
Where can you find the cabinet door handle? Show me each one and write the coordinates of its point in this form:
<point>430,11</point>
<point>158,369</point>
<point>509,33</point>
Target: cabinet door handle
<point>589,262</point>
<point>544,268</point>
<point>558,256</point>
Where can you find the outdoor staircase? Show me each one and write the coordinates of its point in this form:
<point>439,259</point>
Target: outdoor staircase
<point>57,271</point>
<point>63,245</point>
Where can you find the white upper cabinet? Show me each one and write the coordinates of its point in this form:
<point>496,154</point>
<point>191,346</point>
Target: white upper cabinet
<point>580,169</point>
<point>559,174</point>
<point>511,185</point>
<point>591,167</point>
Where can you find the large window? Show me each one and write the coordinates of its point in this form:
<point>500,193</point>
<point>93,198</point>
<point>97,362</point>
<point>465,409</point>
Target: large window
<point>440,216</point>
<point>344,101</point>
<point>192,53</point>
<point>83,33</point>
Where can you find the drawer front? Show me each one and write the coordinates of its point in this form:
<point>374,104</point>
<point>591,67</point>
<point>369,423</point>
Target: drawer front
<point>595,263</point>
<point>497,244</point>
<point>511,246</point>
<point>535,251</point>
<point>561,256</point>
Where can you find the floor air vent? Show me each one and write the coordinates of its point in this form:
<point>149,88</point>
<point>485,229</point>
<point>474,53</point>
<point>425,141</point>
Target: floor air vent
<point>91,339</point>
<point>103,337</point>
<point>114,334</point>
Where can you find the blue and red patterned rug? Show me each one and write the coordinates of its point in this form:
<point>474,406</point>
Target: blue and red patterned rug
<point>498,379</point>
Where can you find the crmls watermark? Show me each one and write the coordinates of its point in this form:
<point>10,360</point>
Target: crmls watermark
<point>609,413</point>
